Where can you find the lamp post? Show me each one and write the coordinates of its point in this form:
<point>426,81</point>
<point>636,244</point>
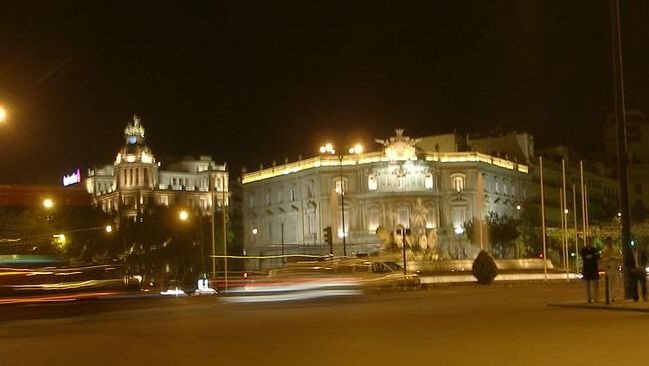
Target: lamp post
<point>403,245</point>
<point>48,204</point>
<point>328,149</point>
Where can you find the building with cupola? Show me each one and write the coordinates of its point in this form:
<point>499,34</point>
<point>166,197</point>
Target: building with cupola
<point>136,179</point>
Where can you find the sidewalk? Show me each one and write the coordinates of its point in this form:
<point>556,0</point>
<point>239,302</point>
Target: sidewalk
<point>468,277</point>
<point>617,305</point>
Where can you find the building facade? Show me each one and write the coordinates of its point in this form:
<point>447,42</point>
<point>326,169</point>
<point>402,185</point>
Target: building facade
<point>431,188</point>
<point>137,180</point>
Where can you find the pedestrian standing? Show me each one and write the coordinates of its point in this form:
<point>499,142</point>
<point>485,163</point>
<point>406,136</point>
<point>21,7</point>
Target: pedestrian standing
<point>590,270</point>
<point>610,259</point>
<point>639,272</point>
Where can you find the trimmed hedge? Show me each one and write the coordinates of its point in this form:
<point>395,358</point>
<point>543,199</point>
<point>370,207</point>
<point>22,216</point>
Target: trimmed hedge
<point>484,268</point>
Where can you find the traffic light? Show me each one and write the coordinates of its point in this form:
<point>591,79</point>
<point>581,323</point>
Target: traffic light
<point>328,238</point>
<point>327,235</point>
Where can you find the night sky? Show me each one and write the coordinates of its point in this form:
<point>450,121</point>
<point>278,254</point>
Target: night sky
<point>252,82</point>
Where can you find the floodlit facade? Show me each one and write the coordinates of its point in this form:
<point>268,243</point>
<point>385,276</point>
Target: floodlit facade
<point>429,186</point>
<point>136,180</point>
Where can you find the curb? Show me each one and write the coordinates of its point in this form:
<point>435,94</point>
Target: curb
<point>623,306</point>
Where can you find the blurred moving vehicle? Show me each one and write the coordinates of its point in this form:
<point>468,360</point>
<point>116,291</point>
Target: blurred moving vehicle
<point>28,281</point>
<point>371,274</point>
<point>203,288</point>
<point>174,289</point>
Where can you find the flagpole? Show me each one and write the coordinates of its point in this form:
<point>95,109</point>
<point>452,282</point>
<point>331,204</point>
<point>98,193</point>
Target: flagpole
<point>545,260</point>
<point>564,215</point>
<point>583,199</point>
<point>574,216</point>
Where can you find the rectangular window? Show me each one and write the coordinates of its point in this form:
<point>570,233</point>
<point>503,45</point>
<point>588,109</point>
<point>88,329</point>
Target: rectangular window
<point>341,185</point>
<point>310,190</point>
<point>292,194</point>
<point>401,182</point>
<point>459,217</point>
<point>372,184</point>
<point>311,228</point>
<point>373,220</point>
<point>428,181</point>
<point>403,216</point>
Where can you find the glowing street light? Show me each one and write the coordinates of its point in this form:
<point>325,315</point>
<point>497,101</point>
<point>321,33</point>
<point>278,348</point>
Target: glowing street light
<point>329,149</point>
<point>48,203</point>
<point>3,114</point>
<point>183,215</point>
<point>109,228</point>
<point>356,149</point>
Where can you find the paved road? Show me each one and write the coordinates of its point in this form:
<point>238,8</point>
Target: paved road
<point>502,324</point>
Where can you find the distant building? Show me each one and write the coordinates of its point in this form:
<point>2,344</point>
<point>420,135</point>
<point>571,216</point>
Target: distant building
<point>637,137</point>
<point>136,180</point>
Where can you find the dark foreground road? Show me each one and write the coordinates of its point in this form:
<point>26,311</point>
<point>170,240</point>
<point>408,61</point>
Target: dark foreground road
<point>447,325</point>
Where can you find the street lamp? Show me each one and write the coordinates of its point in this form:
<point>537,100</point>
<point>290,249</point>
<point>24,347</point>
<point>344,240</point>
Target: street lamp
<point>329,149</point>
<point>48,203</point>
<point>3,114</point>
<point>183,215</point>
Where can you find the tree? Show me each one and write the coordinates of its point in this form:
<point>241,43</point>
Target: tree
<point>503,232</point>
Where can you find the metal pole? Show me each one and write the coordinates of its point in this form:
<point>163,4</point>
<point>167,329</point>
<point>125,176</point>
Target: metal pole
<point>583,199</point>
<point>213,242</point>
<point>574,216</point>
<point>622,157</point>
<point>545,260</point>
<point>283,258</point>
<point>342,203</point>
<point>225,246</point>
<point>565,216</point>
<point>403,247</point>
<point>563,234</point>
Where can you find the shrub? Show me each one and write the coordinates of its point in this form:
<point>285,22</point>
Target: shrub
<point>484,268</point>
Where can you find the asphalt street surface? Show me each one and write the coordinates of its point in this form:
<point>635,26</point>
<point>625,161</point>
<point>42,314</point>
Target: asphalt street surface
<point>500,324</point>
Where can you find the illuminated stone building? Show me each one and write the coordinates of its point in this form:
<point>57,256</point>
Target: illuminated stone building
<point>137,180</point>
<point>430,186</point>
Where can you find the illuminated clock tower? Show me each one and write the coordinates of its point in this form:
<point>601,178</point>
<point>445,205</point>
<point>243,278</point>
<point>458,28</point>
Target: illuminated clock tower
<point>136,170</point>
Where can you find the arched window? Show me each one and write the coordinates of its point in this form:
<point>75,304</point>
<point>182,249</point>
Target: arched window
<point>457,182</point>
